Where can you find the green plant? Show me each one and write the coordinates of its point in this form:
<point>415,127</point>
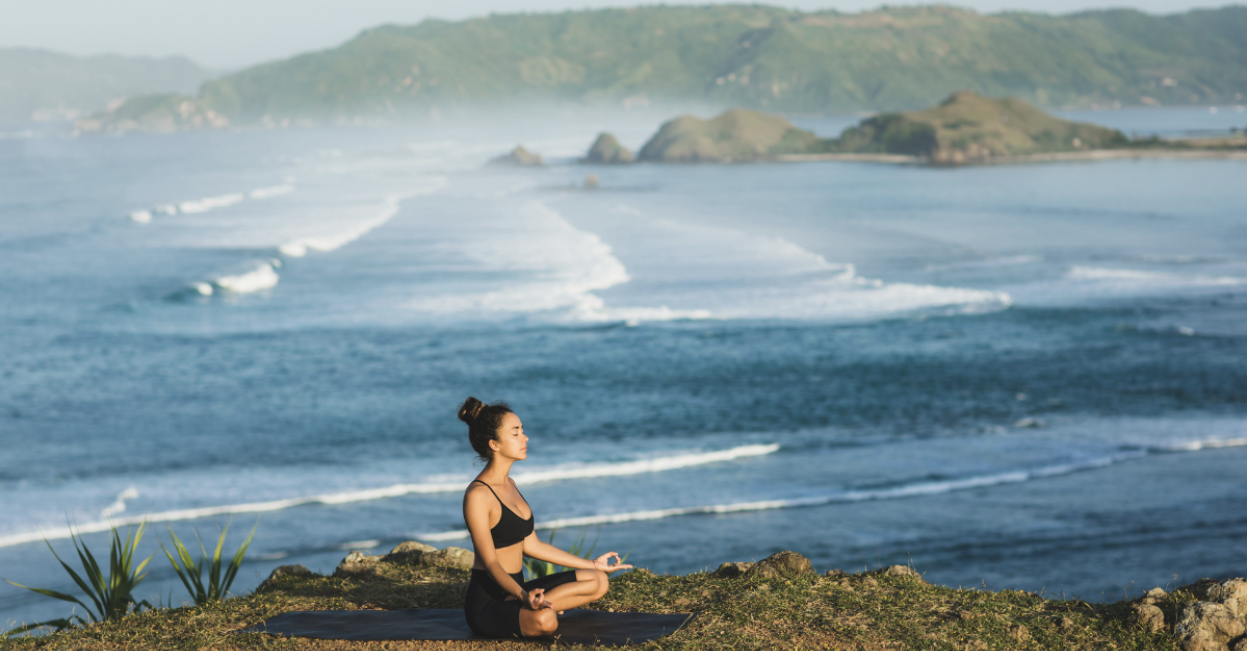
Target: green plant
<point>537,568</point>
<point>112,594</point>
<point>192,573</point>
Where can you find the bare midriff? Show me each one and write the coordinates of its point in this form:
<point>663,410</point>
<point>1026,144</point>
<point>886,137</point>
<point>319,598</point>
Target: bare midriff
<point>510,558</point>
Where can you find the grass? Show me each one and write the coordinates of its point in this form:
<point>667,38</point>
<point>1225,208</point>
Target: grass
<point>111,592</point>
<point>191,573</point>
<point>861,611</point>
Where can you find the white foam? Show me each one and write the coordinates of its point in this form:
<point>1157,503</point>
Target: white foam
<point>910,490</point>
<point>696,271</point>
<point>1207,444</point>
<point>209,203</point>
<point>119,505</point>
<point>451,484</point>
<point>263,277</point>
<point>1151,277</point>
<point>389,207</point>
<point>204,289</point>
<point>274,191</point>
<point>141,216</point>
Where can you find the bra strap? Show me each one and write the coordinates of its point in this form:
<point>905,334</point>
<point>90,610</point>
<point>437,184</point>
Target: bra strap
<point>491,489</point>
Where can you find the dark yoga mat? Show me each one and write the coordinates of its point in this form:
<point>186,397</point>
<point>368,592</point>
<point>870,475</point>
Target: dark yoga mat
<point>578,626</point>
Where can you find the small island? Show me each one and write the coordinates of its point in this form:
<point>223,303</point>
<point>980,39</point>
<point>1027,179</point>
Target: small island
<point>964,129</point>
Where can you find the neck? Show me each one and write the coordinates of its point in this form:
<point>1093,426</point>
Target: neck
<point>497,469</point>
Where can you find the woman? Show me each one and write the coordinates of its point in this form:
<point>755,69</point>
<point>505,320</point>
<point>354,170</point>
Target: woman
<point>499,602</point>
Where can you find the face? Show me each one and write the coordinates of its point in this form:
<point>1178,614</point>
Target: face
<point>510,442</point>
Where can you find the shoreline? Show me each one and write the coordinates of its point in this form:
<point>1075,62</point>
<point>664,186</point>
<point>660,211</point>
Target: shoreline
<point>1022,159</point>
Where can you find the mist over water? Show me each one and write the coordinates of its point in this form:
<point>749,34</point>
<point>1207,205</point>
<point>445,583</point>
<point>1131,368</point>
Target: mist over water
<point>1031,376</point>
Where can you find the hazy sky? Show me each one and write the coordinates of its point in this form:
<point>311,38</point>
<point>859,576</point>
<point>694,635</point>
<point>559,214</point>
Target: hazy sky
<point>236,33</point>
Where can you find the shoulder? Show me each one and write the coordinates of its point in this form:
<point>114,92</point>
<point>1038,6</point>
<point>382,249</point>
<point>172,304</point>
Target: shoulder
<point>477,491</point>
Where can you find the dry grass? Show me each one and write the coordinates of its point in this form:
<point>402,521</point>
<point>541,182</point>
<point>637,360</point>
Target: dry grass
<point>862,611</point>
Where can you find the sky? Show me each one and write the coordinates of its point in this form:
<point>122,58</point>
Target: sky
<point>229,34</point>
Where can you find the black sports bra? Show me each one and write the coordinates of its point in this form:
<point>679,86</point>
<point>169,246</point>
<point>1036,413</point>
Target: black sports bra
<point>511,528</point>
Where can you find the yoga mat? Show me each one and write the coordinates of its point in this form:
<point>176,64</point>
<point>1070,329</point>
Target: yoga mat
<point>578,626</point>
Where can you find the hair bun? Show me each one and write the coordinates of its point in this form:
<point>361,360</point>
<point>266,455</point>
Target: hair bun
<point>471,409</point>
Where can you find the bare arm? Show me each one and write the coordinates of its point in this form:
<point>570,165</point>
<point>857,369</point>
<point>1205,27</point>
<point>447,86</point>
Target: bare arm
<point>544,551</point>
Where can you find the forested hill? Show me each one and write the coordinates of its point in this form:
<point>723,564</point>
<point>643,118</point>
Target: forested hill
<point>38,84</point>
<point>753,56</point>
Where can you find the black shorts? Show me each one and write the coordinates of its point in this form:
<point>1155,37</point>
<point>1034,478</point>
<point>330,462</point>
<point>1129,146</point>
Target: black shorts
<point>487,610</point>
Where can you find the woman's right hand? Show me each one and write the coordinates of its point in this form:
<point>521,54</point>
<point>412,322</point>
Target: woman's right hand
<point>535,600</point>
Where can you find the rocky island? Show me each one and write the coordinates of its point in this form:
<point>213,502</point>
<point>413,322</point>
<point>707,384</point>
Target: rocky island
<point>966,128</point>
<point>781,601</point>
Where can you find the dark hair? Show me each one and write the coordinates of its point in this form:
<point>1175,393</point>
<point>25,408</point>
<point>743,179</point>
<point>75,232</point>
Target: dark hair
<point>483,422</point>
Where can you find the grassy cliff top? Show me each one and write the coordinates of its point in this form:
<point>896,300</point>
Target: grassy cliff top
<point>877,610</point>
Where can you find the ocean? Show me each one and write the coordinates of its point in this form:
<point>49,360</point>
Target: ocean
<point>1020,376</point>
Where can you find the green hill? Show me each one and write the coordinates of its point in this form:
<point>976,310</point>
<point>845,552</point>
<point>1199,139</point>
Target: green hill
<point>38,84</point>
<point>967,127</point>
<point>754,56</point>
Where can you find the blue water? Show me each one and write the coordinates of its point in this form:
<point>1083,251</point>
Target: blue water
<point>1029,376</point>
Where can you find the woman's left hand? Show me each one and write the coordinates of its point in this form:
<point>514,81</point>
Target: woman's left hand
<point>603,563</point>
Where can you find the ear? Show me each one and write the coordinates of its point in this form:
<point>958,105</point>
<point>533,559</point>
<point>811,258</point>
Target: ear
<point>494,445</point>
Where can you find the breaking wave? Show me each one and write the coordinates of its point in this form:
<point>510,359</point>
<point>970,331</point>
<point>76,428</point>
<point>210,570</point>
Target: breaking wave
<point>449,485</point>
<point>915,489</point>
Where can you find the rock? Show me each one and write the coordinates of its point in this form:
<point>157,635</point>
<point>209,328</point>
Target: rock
<point>1065,624</point>
<point>409,552</point>
<point>1154,596</point>
<point>412,546</point>
<point>836,573</point>
<point>1020,633</point>
<point>1206,625</point>
<point>519,157</point>
<point>732,570</point>
<point>592,182</point>
<point>451,556</point>
<point>902,570</point>
<point>976,645</point>
<point>1148,618</point>
<point>281,572</point>
<point>356,563</point>
<point>785,565</point>
<point>606,150</point>
<point>1232,594</point>
<point>1240,645</point>
<point>737,135</point>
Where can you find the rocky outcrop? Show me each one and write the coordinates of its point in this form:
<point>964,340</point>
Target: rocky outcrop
<point>902,571</point>
<point>518,157</point>
<point>1218,624</point>
<point>282,572</point>
<point>732,570</point>
<point>780,565</point>
<point>737,135</point>
<point>358,564</point>
<point>1148,618</point>
<point>606,150</point>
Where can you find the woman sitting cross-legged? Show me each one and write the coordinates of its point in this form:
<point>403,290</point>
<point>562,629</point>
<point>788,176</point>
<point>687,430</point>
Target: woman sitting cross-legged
<point>499,602</point>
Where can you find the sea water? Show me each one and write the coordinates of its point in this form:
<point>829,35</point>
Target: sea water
<point>1025,376</point>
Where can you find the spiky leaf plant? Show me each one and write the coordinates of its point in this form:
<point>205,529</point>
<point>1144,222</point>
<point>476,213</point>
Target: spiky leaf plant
<point>111,593</point>
<point>191,573</point>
